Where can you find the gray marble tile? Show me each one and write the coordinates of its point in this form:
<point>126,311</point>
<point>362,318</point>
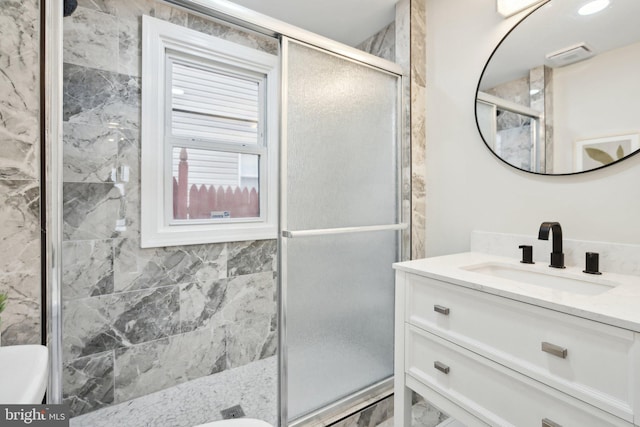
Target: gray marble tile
<point>137,268</point>
<point>87,383</point>
<point>134,9</point>
<point>223,31</point>
<point>250,296</point>
<point>87,268</point>
<point>418,130</point>
<point>122,8</point>
<point>91,210</point>
<point>253,386</point>
<point>245,305</point>
<point>171,14</point>
<point>201,305</point>
<point>227,301</point>
<point>382,44</point>
<point>20,261</point>
<point>108,6</point>
<point>97,324</point>
<point>156,365</point>
<point>19,89</point>
<point>422,415</point>
<point>247,340</point>
<point>250,312</point>
<point>98,97</point>
<point>90,153</point>
<point>21,317</point>
<point>128,180</point>
<point>252,257</point>
<point>20,231</point>
<point>130,45</point>
<point>90,38</point>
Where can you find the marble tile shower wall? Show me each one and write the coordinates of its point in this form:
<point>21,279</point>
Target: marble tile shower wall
<point>19,171</point>
<point>139,320</point>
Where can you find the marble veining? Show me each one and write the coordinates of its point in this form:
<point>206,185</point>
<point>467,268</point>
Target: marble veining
<point>91,210</point>
<point>21,317</point>
<point>252,257</point>
<point>137,367</point>
<point>97,324</point>
<point>100,97</point>
<point>88,383</point>
<point>418,130</point>
<point>90,153</point>
<point>20,261</point>
<point>19,170</point>
<point>19,90</point>
<point>87,268</point>
<point>217,29</point>
<point>137,268</point>
<point>382,43</point>
<point>90,38</point>
<point>171,14</point>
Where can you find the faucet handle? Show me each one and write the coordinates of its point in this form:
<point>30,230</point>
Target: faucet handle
<point>592,263</point>
<point>527,254</point>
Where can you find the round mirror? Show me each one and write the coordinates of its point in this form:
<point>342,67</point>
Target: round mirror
<point>561,92</point>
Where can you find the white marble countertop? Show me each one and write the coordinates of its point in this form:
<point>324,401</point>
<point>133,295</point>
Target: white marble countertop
<point>619,306</point>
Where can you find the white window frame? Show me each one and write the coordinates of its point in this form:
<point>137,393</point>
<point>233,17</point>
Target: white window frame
<point>162,42</point>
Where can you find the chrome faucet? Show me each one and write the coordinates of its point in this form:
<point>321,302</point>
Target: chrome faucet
<point>557,257</point>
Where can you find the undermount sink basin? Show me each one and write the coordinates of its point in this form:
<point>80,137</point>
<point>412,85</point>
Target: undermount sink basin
<point>23,373</point>
<point>548,278</point>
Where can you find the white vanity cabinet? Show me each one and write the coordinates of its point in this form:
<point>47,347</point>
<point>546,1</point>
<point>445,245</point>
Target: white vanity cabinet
<point>490,360</point>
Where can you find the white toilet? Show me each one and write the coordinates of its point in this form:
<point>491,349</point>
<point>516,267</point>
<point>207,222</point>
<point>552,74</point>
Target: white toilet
<point>237,422</point>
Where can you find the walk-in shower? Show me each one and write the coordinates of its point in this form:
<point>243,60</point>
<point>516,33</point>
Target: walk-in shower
<point>292,329</point>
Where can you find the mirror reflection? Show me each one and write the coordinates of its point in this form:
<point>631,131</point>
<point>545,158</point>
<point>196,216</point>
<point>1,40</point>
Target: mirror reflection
<point>561,92</point>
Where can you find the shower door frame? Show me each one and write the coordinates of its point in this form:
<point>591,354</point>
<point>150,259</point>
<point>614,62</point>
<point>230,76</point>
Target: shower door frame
<point>53,97</point>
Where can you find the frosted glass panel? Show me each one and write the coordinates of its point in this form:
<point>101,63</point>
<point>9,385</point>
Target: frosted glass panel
<point>341,171</point>
<point>340,297</point>
<point>341,136</point>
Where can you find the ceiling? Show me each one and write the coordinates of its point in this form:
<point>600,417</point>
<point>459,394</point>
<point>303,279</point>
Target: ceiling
<point>557,26</point>
<point>347,21</point>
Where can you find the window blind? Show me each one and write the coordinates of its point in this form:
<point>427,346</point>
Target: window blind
<point>211,104</point>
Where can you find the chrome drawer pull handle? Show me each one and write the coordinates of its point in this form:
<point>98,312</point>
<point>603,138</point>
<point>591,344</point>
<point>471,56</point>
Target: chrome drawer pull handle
<point>440,309</point>
<point>546,422</point>
<point>441,367</point>
<point>555,350</point>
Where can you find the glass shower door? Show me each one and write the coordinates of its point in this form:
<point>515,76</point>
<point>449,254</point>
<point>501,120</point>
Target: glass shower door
<point>340,226</point>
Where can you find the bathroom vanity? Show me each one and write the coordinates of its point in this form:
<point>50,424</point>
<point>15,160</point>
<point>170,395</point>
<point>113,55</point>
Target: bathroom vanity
<point>491,341</point>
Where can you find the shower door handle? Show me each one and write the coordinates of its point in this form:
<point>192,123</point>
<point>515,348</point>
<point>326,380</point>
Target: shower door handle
<point>344,230</point>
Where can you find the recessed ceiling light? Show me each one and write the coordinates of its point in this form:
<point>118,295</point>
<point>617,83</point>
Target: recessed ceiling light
<point>593,7</point>
<point>534,91</point>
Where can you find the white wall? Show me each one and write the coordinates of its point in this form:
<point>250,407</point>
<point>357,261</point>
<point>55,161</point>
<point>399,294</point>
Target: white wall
<point>470,189</point>
<point>595,98</point>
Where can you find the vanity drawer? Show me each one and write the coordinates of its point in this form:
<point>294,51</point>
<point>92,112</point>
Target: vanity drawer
<point>494,394</point>
<point>598,363</point>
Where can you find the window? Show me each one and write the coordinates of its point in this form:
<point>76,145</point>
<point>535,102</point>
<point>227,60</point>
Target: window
<point>209,135</point>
